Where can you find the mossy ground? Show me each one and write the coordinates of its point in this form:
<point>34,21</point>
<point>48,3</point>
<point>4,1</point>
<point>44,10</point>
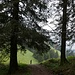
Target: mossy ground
<point>66,69</point>
<point>22,70</point>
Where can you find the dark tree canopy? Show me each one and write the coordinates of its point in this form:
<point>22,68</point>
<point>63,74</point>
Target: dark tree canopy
<point>19,24</point>
<point>30,13</point>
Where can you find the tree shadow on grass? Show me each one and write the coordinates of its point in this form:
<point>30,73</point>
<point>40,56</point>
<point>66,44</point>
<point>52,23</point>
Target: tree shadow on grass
<point>3,69</point>
<point>22,70</point>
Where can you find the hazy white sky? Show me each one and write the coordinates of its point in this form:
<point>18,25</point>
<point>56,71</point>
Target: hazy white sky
<point>73,48</point>
<point>52,15</point>
<point>49,26</point>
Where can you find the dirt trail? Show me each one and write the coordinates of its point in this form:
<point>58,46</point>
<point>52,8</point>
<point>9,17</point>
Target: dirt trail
<point>39,70</point>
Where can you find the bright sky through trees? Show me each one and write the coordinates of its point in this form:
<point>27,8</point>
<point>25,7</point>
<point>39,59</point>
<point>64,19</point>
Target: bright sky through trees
<point>53,15</point>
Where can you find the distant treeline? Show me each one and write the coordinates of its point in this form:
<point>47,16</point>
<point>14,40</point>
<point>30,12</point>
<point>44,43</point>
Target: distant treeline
<point>52,53</point>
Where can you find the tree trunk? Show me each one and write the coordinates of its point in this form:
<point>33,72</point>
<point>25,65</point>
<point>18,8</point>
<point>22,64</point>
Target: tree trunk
<point>63,40</point>
<point>13,50</point>
<point>13,55</point>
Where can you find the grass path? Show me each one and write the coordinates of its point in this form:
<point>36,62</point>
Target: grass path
<point>37,69</point>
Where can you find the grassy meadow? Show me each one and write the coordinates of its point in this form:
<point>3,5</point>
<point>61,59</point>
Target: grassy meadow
<point>23,60</point>
<point>51,64</point>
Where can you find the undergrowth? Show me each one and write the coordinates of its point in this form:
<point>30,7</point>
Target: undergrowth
<point>66,69</point>
<point>22,70</point>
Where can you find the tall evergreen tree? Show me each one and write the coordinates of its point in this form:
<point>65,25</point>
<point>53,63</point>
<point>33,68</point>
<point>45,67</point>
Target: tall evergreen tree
<point>21,27</point>
<point>14,36</point>
<point>63,40</point>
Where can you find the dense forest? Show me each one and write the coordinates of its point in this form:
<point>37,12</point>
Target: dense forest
<point>23,28</point>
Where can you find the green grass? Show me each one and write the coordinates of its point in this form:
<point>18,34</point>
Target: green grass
<point>22,70</point>
<point>52,64</point>
<point>25,59</point>
<point>66,69</point>
<point>3,69</point>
